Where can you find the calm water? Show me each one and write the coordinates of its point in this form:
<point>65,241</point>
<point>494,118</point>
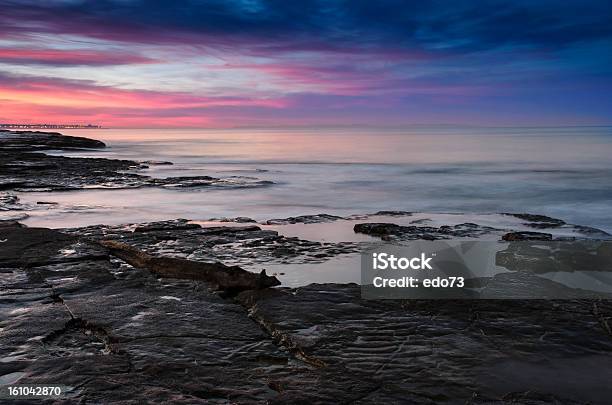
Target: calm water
<point>562,172</point>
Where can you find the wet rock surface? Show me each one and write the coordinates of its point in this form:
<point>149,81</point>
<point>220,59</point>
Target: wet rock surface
<point>390,231</point>
<point>431,351</point>
<point>21,169</point>
<point>527,235</point>
<point>245,245</point>
<point>304,219</point>
<point>114,333</point>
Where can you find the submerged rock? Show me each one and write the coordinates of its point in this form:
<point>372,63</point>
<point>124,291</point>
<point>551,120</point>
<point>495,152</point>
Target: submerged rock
<point>389,231</point>
<point>239,220</point>
<point>526,235</point>
<point>538,221</point>
<point>176,225</point>
<point>304,219</point>
<point>393,213</point>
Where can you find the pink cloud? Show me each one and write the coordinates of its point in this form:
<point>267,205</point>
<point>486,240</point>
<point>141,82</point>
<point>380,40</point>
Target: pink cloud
<point>58,57</point>
<point>40,99</point>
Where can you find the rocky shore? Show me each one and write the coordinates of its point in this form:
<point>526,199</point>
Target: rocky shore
<point>22,169</point>
<point>172,311</point>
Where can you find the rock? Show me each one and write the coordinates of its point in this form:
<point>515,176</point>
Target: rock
<point>592,232</point>
<point>117,333</point>
<point>22,169</point>
<point>10,202</point>
<point>177,225</point>
<point>157,163</point>
<point>538,221</point>
<point>393,213</point>
<point>303,219</point>
<point>36,140</point>
<point>378,228</point>
<point>23,247</point>
<point>233,278</point>
<point>113,337</point>
<point>526,235</point>
<point>389,231</point>
<point>239,220</point>
<point>247,246</point>
<point>10,224</point>
<point>427,351</point>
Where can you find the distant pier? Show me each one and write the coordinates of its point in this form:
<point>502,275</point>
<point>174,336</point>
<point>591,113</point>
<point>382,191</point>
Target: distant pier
<point>49,126</point>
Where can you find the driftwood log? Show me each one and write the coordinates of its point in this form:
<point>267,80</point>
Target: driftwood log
<point>229,278</point>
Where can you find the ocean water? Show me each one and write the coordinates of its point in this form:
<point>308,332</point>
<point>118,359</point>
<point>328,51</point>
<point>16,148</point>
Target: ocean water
<point>561,172</point>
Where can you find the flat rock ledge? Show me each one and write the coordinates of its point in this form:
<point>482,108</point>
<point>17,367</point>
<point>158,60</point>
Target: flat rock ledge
<point>72,313</point>
<point>23,167</point>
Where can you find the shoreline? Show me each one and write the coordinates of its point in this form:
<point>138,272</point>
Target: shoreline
<point>108,323</point>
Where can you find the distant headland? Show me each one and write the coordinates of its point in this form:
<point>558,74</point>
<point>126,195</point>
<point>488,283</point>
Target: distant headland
<point>49,126</point>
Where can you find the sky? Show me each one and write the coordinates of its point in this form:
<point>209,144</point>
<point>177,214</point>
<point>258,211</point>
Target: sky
<point>307,63</point>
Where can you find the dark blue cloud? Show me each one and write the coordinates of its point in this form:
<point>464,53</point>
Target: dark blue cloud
<point>435,26</point>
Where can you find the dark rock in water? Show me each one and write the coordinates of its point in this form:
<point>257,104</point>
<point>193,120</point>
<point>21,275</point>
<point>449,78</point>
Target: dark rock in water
<point>388,231</point>
<point>35,140</point>
<point>592,232</point>
<point>37,171</point>
<point>304,219</point>
<point>176,225</point>
<point>378,228</point>
<point>157,163</point>
<point>24,170</point>
<point>239,220</point>
<point>538,221</point>
<point>393,213</point>
<point>12,208</point>
<point>10,202</point>
<point>526,235</point>
<point>8,199</point>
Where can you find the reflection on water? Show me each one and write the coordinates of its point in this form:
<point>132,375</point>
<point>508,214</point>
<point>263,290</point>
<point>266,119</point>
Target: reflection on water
<point>561,172</point>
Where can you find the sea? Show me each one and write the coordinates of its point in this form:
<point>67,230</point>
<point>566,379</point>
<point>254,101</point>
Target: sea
<point>563,172</point>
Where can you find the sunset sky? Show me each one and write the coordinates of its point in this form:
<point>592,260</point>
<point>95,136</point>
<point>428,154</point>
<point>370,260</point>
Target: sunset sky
<point>128,63</point>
